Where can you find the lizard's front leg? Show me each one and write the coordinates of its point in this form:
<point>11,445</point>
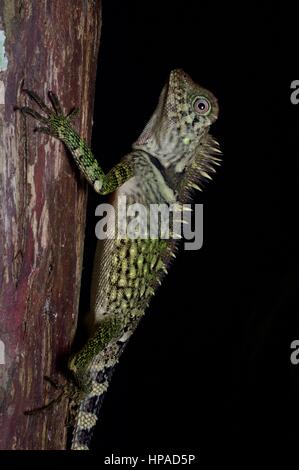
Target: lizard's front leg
<point>58,125</point>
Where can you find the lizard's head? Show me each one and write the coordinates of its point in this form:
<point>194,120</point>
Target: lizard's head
<point>181,120</point>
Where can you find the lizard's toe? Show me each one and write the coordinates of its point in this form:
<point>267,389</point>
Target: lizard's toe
<point>55,103</point>
<point>32,113</point>
<point>38,101</point>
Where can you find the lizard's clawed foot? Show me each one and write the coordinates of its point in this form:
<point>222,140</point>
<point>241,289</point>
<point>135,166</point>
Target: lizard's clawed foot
<point>55,122</point>
<point>35,411</point>
<point>67,390</point>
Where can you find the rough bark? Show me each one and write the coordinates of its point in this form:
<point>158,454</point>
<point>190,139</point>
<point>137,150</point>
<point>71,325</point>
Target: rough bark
<point>49,45</point>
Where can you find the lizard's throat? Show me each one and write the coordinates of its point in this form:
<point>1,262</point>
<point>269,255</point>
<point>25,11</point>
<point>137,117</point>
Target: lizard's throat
<point>174,170</point>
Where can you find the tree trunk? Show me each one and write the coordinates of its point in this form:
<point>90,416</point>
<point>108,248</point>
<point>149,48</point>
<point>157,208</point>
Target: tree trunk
<point>44,45</point>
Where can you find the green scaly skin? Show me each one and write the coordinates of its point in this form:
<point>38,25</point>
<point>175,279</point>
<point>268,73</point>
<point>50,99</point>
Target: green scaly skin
<point>173,155</point>
<point>60,126</point>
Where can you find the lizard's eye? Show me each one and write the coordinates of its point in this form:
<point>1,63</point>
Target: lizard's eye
<point>201,105</point>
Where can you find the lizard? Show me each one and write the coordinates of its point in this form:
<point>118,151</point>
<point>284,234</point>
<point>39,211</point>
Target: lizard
<point>174,154</point>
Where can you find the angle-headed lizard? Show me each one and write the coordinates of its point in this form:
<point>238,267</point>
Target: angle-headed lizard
<point>173,156</point>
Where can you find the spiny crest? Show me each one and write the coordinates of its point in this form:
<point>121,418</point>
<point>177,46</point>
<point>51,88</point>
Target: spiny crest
<point>200,168</point>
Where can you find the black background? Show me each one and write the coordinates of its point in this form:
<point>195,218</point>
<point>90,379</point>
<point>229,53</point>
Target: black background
<point>209,368</point>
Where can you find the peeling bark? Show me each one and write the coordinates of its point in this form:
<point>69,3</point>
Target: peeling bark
<point>44,45</point>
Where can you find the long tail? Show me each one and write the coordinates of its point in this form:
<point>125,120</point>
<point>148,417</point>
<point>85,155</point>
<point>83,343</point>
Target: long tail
<point>87,416</point>
<point>89,408</point>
